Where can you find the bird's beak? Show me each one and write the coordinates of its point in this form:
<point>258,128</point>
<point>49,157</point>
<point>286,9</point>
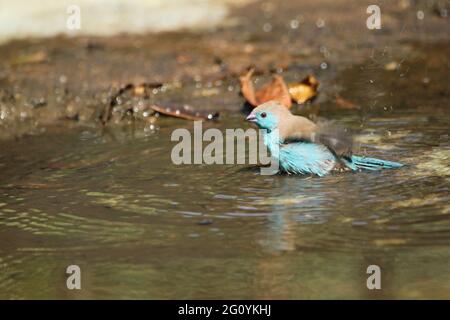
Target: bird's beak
<point>251,117</point>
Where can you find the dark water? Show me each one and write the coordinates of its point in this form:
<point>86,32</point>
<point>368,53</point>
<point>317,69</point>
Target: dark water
<point>141,227</point>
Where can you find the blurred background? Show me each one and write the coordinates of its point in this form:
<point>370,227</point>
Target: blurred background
<point>20,19</point>
<point>47,58</point>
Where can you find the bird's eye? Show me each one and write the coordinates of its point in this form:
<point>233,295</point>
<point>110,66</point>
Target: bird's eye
<point>263,115</point>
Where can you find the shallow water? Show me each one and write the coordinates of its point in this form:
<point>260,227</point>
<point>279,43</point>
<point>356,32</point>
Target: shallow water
<point>139,226</point>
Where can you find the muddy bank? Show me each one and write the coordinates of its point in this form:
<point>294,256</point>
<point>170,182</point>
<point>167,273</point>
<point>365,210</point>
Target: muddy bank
<point>72,80</point>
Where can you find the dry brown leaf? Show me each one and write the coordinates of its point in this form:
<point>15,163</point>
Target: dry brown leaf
<point>247,89</point>
<point>185,112</point>
<point>304,90</point>
<point>275,90</point>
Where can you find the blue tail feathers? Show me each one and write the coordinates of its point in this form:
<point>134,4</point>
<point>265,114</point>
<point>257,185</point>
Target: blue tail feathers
<point>358,162</point>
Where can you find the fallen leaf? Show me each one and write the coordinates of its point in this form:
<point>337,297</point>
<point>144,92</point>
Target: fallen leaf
<point>275,90</point>
<point>304,90</point>
<point>344,103</point>
<point>185,112</point>
<point>247,89</point>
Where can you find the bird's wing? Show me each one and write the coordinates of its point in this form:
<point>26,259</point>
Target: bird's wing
<point>334,137</point>
<point>338,139</point>
<point>296,128</point>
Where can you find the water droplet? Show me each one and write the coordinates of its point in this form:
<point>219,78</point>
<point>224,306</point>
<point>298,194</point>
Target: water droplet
<point>267,27</point>
<point>420,15</point>
<point>320,23</point>
<point>426,80</point>
<point>294,24</point>
<point>194,235</point>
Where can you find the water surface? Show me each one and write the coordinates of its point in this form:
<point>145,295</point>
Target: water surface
<point>139,226</point>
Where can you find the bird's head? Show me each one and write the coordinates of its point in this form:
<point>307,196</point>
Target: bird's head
<point>269,115</point>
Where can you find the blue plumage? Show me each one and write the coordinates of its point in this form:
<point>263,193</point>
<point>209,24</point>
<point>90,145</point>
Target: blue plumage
<point>373,164</point>
<point>304,158</point>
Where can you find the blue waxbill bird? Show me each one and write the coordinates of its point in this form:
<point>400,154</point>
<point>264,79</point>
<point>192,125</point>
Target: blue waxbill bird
<point>304,147</point>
